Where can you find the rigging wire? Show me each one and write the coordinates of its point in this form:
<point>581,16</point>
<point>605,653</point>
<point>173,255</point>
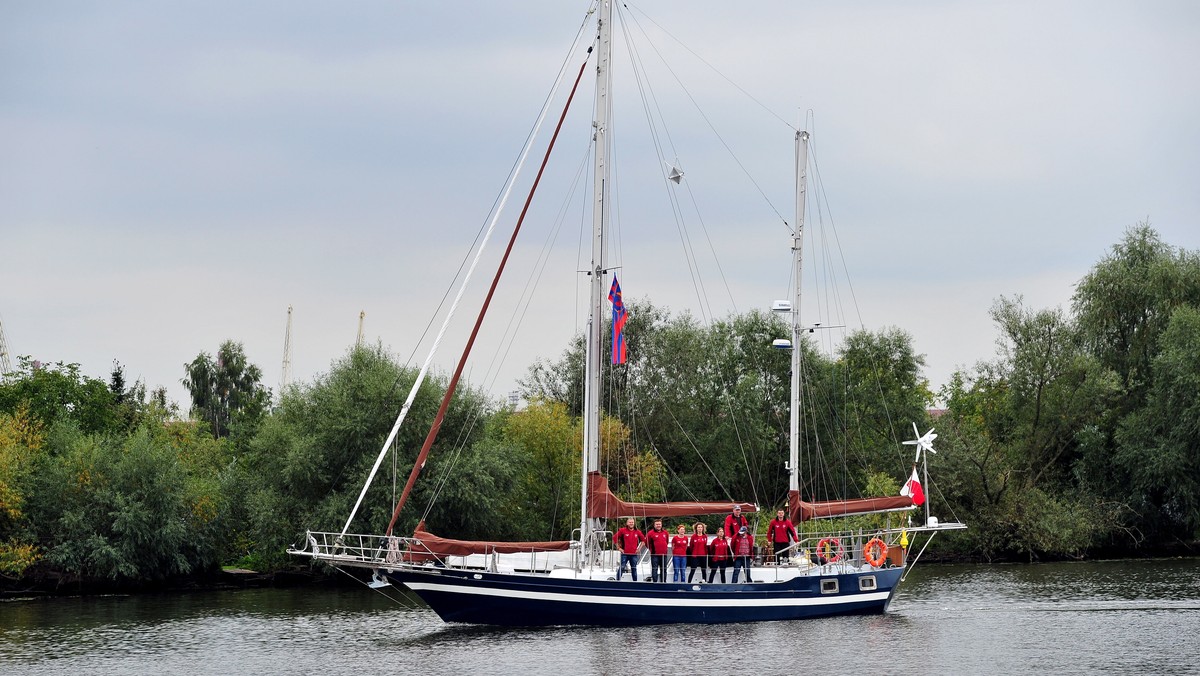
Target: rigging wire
<point>714,68</point>
<point>649,101</point>
<point>516,319</point>
<point>404,601</point>
<point>895,436</point>
<point>444,325</point>
<point>437,421</point>
<point>491,216</point>
<point>720,138</point>
<point>646,98</point>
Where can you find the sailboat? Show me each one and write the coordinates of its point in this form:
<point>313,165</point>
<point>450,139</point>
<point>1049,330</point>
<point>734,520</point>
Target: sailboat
<point>575,582</point>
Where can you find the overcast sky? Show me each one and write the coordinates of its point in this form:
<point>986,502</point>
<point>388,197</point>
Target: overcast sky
<point>173,174</point>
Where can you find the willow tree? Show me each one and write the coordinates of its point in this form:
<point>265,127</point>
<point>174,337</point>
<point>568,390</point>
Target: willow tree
<point>1133,309</point>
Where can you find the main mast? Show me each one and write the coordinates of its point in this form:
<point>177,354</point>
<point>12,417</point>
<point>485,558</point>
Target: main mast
<point>591,387</point>
<point>797,335</point>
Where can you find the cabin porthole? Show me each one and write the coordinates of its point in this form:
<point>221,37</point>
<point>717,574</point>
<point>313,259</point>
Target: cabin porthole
<point>866,583</point>
<point>829,586</point>
<point>477,576</point>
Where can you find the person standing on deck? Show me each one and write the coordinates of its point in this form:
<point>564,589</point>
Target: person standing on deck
<point>743,547</point>
<point>627,539</point>
<point>720,555</point>
<point>679,550</point>
<point>778,532</point>
<point>698,553</point>
<point>735,522</point>
<point>658,542</point>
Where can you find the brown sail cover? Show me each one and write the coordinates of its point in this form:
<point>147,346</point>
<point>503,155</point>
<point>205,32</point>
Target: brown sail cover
<point>602,504</point>
<point>800,510</point>
<point>447,547</point>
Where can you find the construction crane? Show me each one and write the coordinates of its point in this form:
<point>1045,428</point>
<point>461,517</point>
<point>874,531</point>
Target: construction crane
<point>5,362</point>
<point>287,354</point>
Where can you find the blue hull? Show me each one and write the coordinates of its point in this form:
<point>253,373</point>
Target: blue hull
<point>529,600</point>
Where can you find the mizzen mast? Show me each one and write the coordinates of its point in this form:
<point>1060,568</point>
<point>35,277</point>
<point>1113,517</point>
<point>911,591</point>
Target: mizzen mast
<point>797,269</point>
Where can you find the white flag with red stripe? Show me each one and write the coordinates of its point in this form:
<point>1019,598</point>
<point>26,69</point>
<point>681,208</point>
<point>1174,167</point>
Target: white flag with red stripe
<point>912,489</point>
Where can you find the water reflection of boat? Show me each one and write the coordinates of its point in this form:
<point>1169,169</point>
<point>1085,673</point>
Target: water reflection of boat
<point>573,582</point>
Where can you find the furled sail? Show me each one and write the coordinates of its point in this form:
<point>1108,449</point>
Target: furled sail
<point>602,504</point>
<point>441,546</point>
<point>804,511</point>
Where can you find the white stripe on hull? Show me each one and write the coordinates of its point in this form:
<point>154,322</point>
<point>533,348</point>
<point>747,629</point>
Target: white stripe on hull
<point>683,601</point>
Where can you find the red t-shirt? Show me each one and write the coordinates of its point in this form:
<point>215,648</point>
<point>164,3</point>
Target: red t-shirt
<point>743,545</point>
<point>679,545</point>
<point>657,540</point>
<point>699,545</point>
<point>627,539</point>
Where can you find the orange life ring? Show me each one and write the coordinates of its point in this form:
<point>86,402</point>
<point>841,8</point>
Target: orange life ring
<point>875,552</point>
<point>830,550</point>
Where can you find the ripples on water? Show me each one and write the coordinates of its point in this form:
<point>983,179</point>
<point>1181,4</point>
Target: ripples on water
<point>1108,617</point>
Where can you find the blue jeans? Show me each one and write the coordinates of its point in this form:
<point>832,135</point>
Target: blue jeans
<point>658,567</point>
<point>740,562</point>
<point>679,564</point>
<point>631,559</point>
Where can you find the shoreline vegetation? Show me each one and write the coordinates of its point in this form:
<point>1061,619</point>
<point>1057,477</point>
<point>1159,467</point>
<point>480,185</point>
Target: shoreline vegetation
<point>1078,439</point>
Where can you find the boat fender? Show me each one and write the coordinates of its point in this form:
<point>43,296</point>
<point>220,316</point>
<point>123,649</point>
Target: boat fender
<point>875,552</point>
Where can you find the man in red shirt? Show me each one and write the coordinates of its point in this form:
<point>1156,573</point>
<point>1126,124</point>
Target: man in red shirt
<point>743,548</point>
<point>778,532</point>
<point>627,539</point>
<point>658,542</point>
<point>735,522</point>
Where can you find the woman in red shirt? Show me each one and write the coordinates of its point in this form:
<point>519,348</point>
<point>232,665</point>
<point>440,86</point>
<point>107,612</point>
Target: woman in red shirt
<point>721,555</point>
<point>698,553</point>
<point>679,550</point>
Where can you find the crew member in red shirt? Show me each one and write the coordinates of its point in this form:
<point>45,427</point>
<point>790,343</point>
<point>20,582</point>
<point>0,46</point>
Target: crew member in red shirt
<point>720,553</point>
<point>778,532</point>
<point>627,539</point>
<point>743,548</point>
<point>658,542</point>
<point>679,550</point>
<point>735,522</point>
<point>698,553</point>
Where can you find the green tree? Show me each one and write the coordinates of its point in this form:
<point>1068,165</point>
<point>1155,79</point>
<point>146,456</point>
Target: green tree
<point>54,392</point>
<point>864,402</point>
<point>21,439</point>
<point>118,508</point>
<point>1125,302</point>
<point>1159,444</point>
<point>1014,430</point>
<point>1125,306</point>
<point>305,467</point>
<point>710,403</point>
<point>548,482</point>
<point>226,391</point>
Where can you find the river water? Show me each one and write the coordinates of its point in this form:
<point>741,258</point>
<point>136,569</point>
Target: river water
<point>1097,617</point>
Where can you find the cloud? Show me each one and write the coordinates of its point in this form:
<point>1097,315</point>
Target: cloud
<point>175,175</point>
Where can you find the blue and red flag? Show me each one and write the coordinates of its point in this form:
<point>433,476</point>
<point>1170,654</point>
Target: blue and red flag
<point>618,323</point>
